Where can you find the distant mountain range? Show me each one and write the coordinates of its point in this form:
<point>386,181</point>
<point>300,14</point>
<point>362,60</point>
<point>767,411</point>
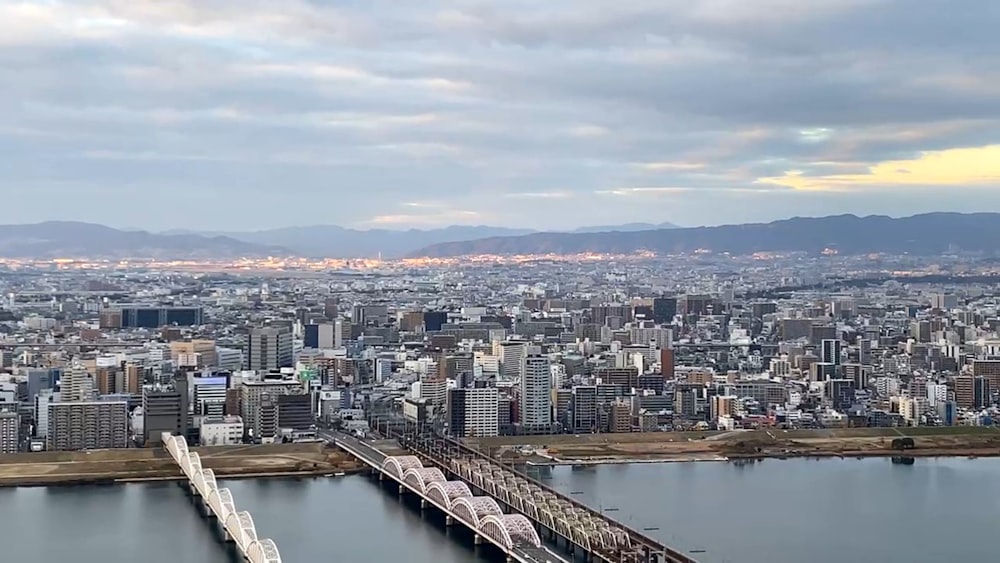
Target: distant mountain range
<point>339,242</point>
<point>67,239</point>
<point>926,234</point>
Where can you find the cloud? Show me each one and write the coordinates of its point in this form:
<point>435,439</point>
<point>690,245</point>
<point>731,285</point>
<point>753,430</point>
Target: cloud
<point>540,195</point>
<point>650,109</point>
<point>976,166</point>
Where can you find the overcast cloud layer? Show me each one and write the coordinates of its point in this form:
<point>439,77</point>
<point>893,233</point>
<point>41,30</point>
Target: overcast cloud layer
<point>245,114</point>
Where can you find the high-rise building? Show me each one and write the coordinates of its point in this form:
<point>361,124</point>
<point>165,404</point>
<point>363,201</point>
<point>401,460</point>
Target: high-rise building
<point>971,392</point>
<point>10,427</point>
<point>210,394</point>
<point>200,353</point>
<point>664,310</point>
<point>295,412</point>
<point>831,351</point>
<point>511,355</point>
<point>320,336</point>
<point>989,369</point>
<point>864,351</point>
<point>269,349</point>
<point>76,384</point>
<point>584,409</point>
<point>667,363</point>
<point>156,317</point>
<point>259,405</point>
<point>620,417</point>
<point>87,425</point>
<point>434,320</point>
<point>722,405</point>
<point>331,308</point>
<point>536,392</point>
<point>42,402</point>
<point>473,412</point>
<point>165,409</point>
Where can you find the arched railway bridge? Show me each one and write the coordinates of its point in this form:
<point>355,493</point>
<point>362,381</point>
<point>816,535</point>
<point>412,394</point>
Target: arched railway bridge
<point>505,507</point>
<point>237,526</point>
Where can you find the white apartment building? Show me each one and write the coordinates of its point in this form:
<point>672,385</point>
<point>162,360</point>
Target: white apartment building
<point>475,412</point>
<point>221,431</point>
<point>536,392</point>
<point>10,424</point>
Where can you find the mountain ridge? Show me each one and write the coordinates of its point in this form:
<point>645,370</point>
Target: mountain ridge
<point>932,233</point>
<point>334,241</point>
<point>75,239</point>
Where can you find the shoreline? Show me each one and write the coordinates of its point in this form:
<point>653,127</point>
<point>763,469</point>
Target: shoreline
<point>104,480</point>
<point>737,457</point>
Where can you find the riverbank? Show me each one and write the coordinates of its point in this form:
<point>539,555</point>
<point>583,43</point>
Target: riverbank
<point>595,449</point>
<point>135,465</point>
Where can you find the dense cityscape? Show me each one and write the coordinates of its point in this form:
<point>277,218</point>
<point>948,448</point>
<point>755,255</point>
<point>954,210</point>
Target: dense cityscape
<point>101,356</point>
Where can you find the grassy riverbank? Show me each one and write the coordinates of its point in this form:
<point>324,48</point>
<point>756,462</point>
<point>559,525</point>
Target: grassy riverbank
<point>771,443</point>
<point>108,466</point>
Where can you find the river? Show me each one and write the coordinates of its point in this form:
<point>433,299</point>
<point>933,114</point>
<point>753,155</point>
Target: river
<point>775,511</point>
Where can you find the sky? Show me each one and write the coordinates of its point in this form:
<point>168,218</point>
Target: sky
<point>250,114</point>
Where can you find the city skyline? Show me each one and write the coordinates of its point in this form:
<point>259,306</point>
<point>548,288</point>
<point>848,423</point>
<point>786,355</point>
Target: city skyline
<point>457,113</point>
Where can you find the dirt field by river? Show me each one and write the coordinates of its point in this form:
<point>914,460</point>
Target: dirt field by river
<point>772,443</point>
<point>138,464</point>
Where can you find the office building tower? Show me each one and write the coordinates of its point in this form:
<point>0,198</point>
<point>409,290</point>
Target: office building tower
<point>831,351</point>
<point>331,308</point>
<point>320,336</point>
<point>156,317</point>
<point>87,425</point>
<point>295,412</point>
<point>269,349</point>
<point>434,320</point>
<point>42,402</point>
<point>10,428</point>
<point>195,354</point>
<point>584,409</point>
<point>988,369</point>
<point>210,394</point>
<point>39,379</point>
<point>259,405</point>
<point>512,355</point>
<point>972,392</point>
<point>536,392</point>
<point>664,310</point>
<point>864,351</point>
<point>165,409</point>
<point>667,363</point>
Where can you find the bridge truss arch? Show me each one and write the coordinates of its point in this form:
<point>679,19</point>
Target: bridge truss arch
<point>396,466</point>
<point>239,525</point>
<point>420,477</point>
<point>474,509</point>
<point>263,551</point>
<point>510,530</point>
<point>445,492</point>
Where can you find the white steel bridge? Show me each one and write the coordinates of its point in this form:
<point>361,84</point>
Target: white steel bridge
<point>218,502</point>
<point>514,534</point>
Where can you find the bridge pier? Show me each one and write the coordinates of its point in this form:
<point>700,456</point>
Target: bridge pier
<point>448,520</point>
<point>423,504</point>
<point>477,539</point>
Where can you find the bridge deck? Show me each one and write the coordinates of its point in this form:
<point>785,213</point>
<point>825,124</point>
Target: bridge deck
<point>601,536</point>
<point>511,533</point>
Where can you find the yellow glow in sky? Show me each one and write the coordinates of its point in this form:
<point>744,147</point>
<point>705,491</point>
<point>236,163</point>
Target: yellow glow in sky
<point>952,167</point>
